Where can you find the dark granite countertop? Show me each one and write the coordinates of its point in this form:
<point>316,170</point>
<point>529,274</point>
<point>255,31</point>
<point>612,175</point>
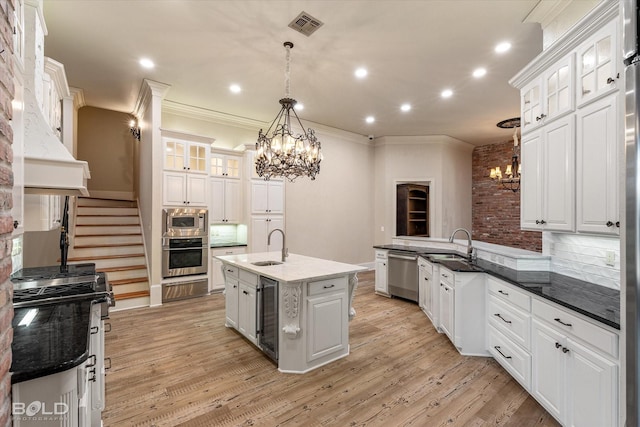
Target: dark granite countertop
<point>57,339</point>
<point>227,245</point>
<point>50,272</point>
<point>597,302</point>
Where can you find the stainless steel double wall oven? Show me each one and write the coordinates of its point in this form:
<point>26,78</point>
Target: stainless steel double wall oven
<point>185,242</point>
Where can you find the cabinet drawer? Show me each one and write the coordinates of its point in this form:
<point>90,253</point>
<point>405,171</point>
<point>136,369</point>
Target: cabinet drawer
<point>512,358</point>
<point>509,293</point>
<point>425,265</point>
<point>249,277</point>
<point>569,323</point>
<point>228,251</point>
<point>515,324</point>
<point>381,254</point>
<point>329,285</point>
<point>447,276</point>
<point>230,270</point>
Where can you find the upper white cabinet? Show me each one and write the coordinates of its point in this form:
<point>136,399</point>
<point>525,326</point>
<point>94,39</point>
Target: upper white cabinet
<point>267,197</point>
<point>547,182</point>
<point>181,155</point>
<point>225,165</point>
<point>598,64</point>
<point>598,148</point>
<point>226,201</point>
<point>548,96</point>
<point>186,175</point>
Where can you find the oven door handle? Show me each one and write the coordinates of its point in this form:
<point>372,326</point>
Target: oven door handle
<point>183,249</point>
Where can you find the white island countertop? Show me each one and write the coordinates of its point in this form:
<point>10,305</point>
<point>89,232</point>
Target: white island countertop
<point>296,268</point>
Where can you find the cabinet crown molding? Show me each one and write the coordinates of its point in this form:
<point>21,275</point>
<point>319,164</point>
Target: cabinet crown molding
<point>600,15</point>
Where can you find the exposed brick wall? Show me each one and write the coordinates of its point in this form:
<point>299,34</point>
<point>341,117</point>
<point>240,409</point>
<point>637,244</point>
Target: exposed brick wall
<point>495,210</point>
<point>6,222</point>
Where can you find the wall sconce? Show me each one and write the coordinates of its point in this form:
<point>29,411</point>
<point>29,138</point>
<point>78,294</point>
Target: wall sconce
<point>512,172</point>
<point>134,129</point>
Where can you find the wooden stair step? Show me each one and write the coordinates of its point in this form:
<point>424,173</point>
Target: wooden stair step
<point>106,214</point>
<point>129,295</point>
<point>85,258</point>
<point>107,235</point>
<point>123,268</point>
<point>113,245</point>
<point>127,281</point>
<point>103,225</point>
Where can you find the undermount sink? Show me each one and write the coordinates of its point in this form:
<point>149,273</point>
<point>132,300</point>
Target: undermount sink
<point>265,263</point>
<point>441,257</point>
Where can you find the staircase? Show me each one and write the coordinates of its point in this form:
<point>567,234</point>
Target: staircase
<point>107,233</point>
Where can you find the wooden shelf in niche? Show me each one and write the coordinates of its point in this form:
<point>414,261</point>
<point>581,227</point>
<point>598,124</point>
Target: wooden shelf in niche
<point>412,210</point>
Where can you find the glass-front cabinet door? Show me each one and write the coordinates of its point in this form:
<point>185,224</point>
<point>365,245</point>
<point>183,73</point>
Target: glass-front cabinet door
<point>223,165</point>
<point>559,84</point>
<point>174,153</point>
<point>598,64</point>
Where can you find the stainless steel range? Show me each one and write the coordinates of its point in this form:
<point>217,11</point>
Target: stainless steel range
<point>47,285</point>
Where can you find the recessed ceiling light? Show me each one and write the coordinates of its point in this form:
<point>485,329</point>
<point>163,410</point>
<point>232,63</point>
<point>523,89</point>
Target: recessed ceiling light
<point>361,73</point>
<point>503,47</point>
<point>147,63</point>
<point>370,119</point>
<point>446,93</point>
<point>299,106</point>
<point>405,107</point>
<point>479,72</point>
<point>235,88</point>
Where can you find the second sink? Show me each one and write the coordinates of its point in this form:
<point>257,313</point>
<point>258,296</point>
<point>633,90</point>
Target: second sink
<point>265,263</point>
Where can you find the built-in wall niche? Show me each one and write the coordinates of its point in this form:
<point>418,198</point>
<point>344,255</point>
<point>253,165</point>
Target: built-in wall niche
<point>412,210</point>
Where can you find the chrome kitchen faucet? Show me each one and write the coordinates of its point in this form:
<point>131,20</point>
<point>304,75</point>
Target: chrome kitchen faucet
<point>470,251</point>
<point>285,251</point>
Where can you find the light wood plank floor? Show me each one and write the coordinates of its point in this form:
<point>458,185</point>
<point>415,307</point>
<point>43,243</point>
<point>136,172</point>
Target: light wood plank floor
<point>178,365</point>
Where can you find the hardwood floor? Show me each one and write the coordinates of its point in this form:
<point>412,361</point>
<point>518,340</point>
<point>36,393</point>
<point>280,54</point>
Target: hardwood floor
<point>178,365</point>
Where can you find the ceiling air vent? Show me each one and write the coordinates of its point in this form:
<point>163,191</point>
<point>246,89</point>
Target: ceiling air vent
<point>305,24</point>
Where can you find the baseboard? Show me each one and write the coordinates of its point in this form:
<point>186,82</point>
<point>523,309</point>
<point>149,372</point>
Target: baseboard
<point>115,195</point>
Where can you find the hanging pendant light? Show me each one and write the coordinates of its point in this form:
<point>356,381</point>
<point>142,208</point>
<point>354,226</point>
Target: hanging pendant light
<point>282,153</point>
<point>511,181</point>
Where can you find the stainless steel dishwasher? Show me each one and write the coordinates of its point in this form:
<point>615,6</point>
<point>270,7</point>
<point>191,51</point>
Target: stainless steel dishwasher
<point>402,278</point>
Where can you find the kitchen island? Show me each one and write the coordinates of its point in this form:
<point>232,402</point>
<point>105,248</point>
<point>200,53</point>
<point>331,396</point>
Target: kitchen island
<point>312,306</point>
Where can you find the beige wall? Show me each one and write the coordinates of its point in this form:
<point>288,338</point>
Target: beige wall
<point>441,162</point>
<point>105,142</point>
<point>332,216</point>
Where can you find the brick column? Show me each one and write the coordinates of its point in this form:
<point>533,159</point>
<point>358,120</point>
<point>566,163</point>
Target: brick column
<point>6,221</point>
<point>495,210</point>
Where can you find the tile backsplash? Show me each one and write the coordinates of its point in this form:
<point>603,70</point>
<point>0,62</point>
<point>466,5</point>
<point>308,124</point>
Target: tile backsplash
<point>584,257</point>
<point>228,233</point>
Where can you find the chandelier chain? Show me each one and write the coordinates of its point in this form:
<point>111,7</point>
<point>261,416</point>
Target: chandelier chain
<point>287,72</point>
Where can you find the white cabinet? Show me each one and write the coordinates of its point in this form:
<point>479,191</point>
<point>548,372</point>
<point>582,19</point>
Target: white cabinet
<point>184,189</point>
<point>186,176</point>
<point>427,294</point>
<point>247,307</point>
<point>380,285</point>
<point>225,204</point>
<point>462,310</point>
<point>597,150</point>
<point>574,366</point>
<point>216,274</point>
<point>261,226</point>
<point>548,96</point>
<point>225,165</point>
<point>597,64</point>
<point>447,310</point>
<point>231,290</point>
<point>327,318</point>
<point>267,197</point>
<point>548,174</point>
<point>574,383</point>
<point>97,371</point>
<point>17,126</point>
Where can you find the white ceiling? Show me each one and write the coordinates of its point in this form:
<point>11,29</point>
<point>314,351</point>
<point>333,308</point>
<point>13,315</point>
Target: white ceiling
<point>413,49</point>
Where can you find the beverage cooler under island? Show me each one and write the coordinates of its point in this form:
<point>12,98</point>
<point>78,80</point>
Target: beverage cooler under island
<point>297,312</point>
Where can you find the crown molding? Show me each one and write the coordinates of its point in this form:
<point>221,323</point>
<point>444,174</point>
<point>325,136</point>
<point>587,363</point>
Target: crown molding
<point>184,110</point>
<point>148,89</point>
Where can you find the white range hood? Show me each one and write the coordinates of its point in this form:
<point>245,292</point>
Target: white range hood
<point>49,168</point>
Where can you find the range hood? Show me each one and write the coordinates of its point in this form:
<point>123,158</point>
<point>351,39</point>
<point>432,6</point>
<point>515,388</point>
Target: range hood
<point>49,168</point>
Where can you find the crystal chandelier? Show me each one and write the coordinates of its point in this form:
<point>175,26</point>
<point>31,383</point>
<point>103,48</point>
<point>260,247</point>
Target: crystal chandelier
<point>283,153</point>
<point>511,181</point>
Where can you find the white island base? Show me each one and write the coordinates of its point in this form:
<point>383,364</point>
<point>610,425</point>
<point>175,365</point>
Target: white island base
<point>314,305</point>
